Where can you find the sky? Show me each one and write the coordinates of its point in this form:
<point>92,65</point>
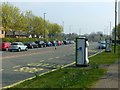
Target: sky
<point>118,12</point>
<point>78,17</point>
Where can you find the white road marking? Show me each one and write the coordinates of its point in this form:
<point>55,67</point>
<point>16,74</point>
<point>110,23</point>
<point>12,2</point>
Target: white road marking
<point>96,54</point>
<point>44,73</point>
<point>50,58</point>
<point>64,55</point>
<point>57,57</point>
<point>35,53</point>
<point>16,66</point>
<point>42,60</point>
<point>1,70</point>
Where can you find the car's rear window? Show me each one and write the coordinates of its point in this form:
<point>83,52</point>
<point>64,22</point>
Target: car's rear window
<point>31,42</point>
<point>3,43</point>
<point>14,44</point>
<point>102,42</point>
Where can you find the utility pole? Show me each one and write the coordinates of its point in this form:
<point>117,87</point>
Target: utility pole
<point>63,26</point>
<point>64,36</point>
<point>107,30</point>
<point>110,30</point>
<point>44,27</point>
<point>115,26</point>
<point>79,31</point>
<point>70,29</point>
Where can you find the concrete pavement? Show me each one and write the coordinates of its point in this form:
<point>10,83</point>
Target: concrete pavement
<point>111,78</point>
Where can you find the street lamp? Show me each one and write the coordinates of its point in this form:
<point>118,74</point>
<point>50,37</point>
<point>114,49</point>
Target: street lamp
<point>115,26</point>
<point>63,26</point>
<point>44,26</point>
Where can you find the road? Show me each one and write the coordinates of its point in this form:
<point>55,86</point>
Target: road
<point>17,66</point>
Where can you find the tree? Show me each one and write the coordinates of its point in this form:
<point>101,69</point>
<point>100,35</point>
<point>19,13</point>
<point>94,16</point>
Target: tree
<point>38,26</point>
<point>117,31</point>
<point>55,30</point>
<point>6,16</point>
<point>29,18</point>
<point>14,20</point>
<point>11,18</point>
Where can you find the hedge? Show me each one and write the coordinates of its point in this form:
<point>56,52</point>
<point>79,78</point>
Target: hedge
<point>26,39</point>
<point>20,39</point>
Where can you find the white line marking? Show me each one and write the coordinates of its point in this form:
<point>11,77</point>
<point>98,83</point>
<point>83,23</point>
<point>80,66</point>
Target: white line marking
<point>16,66</point>
<point>1,70</point>
<point>57,57</point>
<point>42,60</point>
<point>96,54</point>
<point>50,58</point>
<point>45,73</point>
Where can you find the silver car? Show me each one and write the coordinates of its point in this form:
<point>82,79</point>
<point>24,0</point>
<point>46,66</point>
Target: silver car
<point>19,46</point>
<point>102,45</point>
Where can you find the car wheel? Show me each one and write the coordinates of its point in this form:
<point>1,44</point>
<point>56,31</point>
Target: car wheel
<point>10,50</point>
<point>41,46</point>
<point>26,49</point>
<point>45,46</point>
<point>6,49</point>
<point>19,49</point>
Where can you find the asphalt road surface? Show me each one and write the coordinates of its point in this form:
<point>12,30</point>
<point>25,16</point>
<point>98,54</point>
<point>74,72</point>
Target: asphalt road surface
<point>17,66</point>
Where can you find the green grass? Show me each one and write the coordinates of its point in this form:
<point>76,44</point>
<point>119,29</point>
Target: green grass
<point>65,78</point>
<point>73,77</point>
<point>105,57</point>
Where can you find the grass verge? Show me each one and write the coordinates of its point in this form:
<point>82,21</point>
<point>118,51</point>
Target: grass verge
<point>73,77</point>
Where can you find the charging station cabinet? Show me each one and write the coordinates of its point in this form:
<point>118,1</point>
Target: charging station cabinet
<point>108,45</point>
<point>82,51</point>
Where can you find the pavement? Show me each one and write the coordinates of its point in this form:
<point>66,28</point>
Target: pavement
<point>110,80</point>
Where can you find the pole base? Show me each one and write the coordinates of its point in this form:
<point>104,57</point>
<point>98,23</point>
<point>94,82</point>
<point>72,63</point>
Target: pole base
<point>82,65</point>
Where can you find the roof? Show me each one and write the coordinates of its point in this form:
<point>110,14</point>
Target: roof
<point>16,33</point>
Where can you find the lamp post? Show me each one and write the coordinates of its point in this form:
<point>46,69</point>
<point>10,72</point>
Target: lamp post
<point>63,26</point>
<point>44,26</point>
<point>115,26</point>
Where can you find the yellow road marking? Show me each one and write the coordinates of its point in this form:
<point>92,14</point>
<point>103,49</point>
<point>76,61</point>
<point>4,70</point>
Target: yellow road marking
<point>45,73</point>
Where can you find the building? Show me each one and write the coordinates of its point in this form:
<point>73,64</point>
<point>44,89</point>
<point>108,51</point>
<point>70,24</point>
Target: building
<point>2,33</point>
<point>16,34</point>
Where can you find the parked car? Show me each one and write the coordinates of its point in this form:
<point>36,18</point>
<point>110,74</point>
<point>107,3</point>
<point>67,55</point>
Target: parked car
<point>102,45</point>
<point>41,43</point>
<point>59,43</point>
<point>19,46</point>
<point>48,44</point>
<point>72,42</point>
<point>6,46</point>
<point>65,42</point>
<point>31,45</point>
<point>54,43</point>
